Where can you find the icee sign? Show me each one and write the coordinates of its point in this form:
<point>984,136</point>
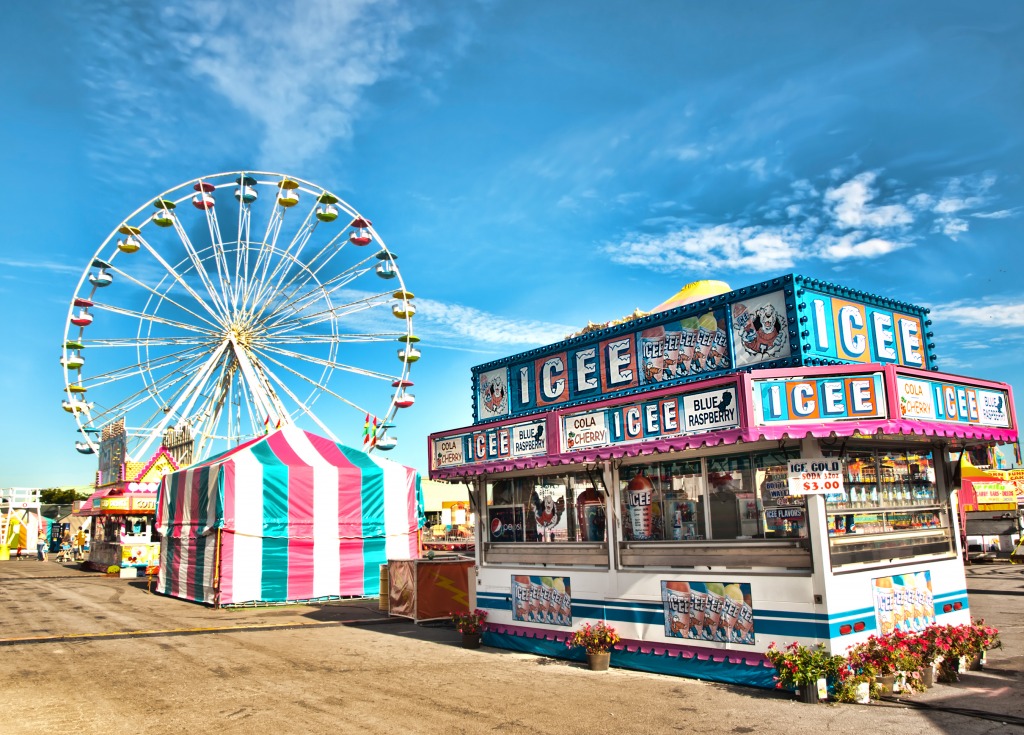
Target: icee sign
<point>658,418</point>
<point>852,330</point>
<point>815,476</point>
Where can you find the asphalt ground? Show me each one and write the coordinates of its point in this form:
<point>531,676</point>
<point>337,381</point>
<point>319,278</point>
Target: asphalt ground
<point>84,653</point>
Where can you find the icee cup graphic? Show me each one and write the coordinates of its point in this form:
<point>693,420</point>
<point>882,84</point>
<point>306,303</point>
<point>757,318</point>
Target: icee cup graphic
<point>698,605</point>
<point>677,607</point>
<point>713,610</point>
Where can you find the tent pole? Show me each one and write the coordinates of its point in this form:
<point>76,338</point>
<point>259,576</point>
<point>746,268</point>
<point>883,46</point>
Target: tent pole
<point>216,573</point>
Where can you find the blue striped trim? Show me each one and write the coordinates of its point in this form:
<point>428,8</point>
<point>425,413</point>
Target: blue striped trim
<point>821,626</point>
<point>694,668</point>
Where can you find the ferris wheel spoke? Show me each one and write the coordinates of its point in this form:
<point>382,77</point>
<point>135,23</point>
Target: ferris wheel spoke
<point>304,276</point>
<point>317,384</point>
<point>177,360</point>
<point>315,339</point>
<point>152,318</point>
<point>188,393</point>
<point>332,364</point>
<point>260,389</point>
<point>305,410</point>
<point>267,248</point>
<point>327,287</point>
<point>219,256</point>
<point>288,258</point>
<point>199,267</point>
<point>139,342</point>
<point>331,313</point>
<point>162,296</point>
<point>181,281</point>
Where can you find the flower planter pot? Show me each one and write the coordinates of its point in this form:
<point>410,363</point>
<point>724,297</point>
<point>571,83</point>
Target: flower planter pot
<point>808,694</point>
<point>471,640</point>
<point>947,672</point>
<point>886,685</point>
<point>599,661</point>
<point>928,676</point>
<point>976,662</point>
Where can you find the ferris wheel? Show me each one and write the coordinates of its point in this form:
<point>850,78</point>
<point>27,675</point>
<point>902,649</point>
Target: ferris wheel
<point>233,304</point>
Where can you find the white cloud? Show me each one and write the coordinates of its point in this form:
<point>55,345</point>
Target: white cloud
<point>951,227</point>
<point>686,153</point>
<point>708,248</point>
<point>471,326</point>
<point>976,315</point>
<point>758,167</point>
<point>847,247</point>
<point>45,265</point>
<point>851,205</point>
<point>999,214</point>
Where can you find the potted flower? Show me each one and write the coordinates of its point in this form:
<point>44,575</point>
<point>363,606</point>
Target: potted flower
<point>930,645</point>
<point>807,669</point>
<point>966,647</point>
<point>471,625</point>
<point>982,638</point>
<point>597,640</point>
<point>889,659</point>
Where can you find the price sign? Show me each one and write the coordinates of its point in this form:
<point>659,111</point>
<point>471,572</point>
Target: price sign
<point>815,476</point>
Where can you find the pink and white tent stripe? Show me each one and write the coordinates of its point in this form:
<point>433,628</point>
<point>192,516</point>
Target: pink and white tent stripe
<point>289,516</point>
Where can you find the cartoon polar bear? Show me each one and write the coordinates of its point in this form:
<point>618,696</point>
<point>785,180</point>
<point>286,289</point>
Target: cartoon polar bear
<point>768,325</point>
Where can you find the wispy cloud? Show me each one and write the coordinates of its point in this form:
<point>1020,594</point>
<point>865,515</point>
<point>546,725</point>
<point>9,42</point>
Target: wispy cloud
<point>471,327</point>
<point>294,76</point>
<point>43,266</point>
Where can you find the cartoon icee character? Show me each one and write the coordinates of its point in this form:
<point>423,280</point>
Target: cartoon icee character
<point>494,395</point>
<point>768,331</point>
<point>548,513</point>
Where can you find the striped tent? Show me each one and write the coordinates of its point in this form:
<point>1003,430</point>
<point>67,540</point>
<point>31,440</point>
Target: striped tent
<point>289,516</point>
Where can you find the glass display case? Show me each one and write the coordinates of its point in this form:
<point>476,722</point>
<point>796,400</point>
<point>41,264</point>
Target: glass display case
<point>884,481</point>
<point>889,506</point>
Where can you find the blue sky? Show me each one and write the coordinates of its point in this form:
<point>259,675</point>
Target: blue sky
<point>535,165</point>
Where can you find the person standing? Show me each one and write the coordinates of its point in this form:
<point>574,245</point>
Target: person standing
<point>41,544</point>
<point>78,545</point>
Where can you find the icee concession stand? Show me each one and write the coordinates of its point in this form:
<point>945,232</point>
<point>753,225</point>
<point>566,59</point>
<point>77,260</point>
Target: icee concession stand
<point>774,463</point>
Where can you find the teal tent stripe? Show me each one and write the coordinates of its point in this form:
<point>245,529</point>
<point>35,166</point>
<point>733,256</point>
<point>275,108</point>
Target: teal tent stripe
<point>372,499</point>
<point>169,543</point>
<point>274,586</point>
<point>200,523</point>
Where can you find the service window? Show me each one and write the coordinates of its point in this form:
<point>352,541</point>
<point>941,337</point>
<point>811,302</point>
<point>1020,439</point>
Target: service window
<point>663,501</point>
<point>545,509</point>
<point>732,499</point>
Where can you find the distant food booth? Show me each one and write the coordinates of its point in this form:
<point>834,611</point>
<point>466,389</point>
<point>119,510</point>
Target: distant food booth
<point>123,506</point>
<point>773,463</point>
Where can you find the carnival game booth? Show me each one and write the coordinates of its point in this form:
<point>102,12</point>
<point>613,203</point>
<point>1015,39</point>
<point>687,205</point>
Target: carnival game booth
<point>769,464</point>
<point>288,517</point>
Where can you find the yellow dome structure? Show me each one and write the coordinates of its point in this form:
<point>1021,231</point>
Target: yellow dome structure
<point>691,292</point>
